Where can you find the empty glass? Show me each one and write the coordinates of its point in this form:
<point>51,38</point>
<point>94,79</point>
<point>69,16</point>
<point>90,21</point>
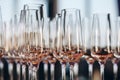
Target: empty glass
<point>101,39</point>
<point>86,30</point>
<point>70,48</point>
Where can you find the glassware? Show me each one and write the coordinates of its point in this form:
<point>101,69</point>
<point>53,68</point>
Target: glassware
<point>1,45</point>
<point>52,41</point>
<point>115,45</point>
<point>71,49</point>
<point>8,55</point>
<point>59,45</point>
<point>1,35</point>
<point>33,38</point>
<point>86,29</point>
<point>32,21</point>
<point>101,40</point>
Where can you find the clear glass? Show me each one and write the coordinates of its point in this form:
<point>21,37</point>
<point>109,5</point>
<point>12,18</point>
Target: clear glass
<point>39,7</point>
<point>116,42</point>
<point>86,31</point>
<point>1,35</point>
<point>70,36</point>
<point>52,47</point>
<point>31,42</point>
<point>115,45</point>
<point>32,39</point>
<point>101,39</point>
<point>58,44</point>
<point>1,45</point>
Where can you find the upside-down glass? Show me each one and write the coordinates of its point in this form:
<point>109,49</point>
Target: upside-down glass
<point>101,40</point>
<point>71,49</point>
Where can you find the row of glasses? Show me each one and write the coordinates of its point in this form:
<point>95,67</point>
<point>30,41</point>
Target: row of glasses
<point>19,41</point>
<point>96,43</point>
<point>65,38</point>
<point>40,40</point>
<point>33,37</point>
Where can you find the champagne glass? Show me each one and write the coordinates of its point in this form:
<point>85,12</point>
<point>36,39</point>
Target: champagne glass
<point>115,45</point>
<point>32,18</point>
<point>86,29</point>
<point>101,40</point>
<point>53,31</point>
<point>57,53</point>
<point>71,50</point>
<point>1,35</point>
<point>33,36</point>
<point>8,55</point>
<point>1,45</point>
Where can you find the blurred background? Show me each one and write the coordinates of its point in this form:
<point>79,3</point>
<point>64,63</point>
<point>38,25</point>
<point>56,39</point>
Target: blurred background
<point>88,7</point>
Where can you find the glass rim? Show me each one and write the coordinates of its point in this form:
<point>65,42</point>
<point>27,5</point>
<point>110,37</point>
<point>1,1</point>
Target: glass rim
<point>32,6</point>
<point>101,14</point>
<point>70,9</point>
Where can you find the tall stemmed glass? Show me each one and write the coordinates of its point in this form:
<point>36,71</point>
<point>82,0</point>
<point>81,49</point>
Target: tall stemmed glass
<point>1,45</point>
<point>15,43</point>
<point>11,44</point>
<point>116,45</point>
<point>1,35</point>
<point>72,38</point>
<point>52,41</point>
<point>101,40</point>
<point>86,30</point>
<point>33,21</point>
<point>8,48</point>
<point>58,53</point>
<point>33,25</point>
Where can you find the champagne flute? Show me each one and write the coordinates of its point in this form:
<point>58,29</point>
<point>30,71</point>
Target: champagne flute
<point>101,40</point>
<point>1,45</point>
<point>1,35</point>
<point>58,51</point>
<point>52,41</point>
<point>33,36</point>
<point>8,48</point>
<point>86,44</point>
<point>115,45</point>
<point>32,18</point>
<point>71,49</point>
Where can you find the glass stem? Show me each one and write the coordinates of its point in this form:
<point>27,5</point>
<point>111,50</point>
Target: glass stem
<point>35,73</point>
<point>10,68</point>
<point>18,71</point>
<point>23,72</point>
<point>71,72</point>
<point>52,71</point>
<point>90,66</point>
<point>115,69</point>
<point>63,72</point>
<point>76,71</point>
<point>30,72</point>
<point>45,71</point>
<point>102,71</point>
<point>1,70</point>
